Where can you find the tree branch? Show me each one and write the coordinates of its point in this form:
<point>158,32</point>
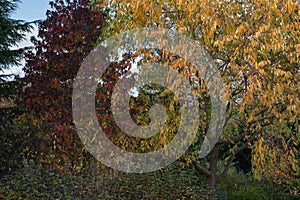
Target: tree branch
<point>201,169</point>
<point>233,139</point>
<point>262,118</point>
<point>238,150</point>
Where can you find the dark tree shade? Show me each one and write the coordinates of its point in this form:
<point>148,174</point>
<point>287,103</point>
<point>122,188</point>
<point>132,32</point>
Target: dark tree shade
<point>12,31</point>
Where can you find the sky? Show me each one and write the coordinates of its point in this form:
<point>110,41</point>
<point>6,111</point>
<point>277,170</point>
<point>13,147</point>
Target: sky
<point>28,10</point>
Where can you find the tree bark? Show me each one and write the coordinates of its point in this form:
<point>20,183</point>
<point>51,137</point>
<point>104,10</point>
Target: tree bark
<point>211,172</point>
<point>213,162</point>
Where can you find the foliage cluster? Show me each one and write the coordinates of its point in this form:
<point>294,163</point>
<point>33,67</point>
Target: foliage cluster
<point>13,141</point>
<point>34,182</point>
<point>65,38</point>
<point>237,185</point>
<point>254,45</point>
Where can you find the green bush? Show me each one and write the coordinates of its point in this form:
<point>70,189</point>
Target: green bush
<point>175,184</point>
<point>238,185</point>
<point>36,183</point>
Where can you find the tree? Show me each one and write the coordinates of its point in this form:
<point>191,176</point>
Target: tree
<point>12,32</point>
<point>255,45</point>
<point>68,34</point>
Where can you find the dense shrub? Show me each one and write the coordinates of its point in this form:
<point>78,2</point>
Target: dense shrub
<point>36,183</point>
<point>237,185</point>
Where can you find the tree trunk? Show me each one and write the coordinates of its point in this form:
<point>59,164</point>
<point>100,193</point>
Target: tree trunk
<point>211,172</point>
<point>213,161</point>
<point>212,181</point>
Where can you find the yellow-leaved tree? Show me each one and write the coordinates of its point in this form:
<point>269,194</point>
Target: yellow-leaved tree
<point>256,47</point>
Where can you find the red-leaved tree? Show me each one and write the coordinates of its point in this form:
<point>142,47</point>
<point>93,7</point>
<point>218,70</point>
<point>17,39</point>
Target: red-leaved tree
<point>65,38</point>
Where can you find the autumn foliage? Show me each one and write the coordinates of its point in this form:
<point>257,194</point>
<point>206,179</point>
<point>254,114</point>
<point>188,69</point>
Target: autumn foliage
<point>65,38</point>
<point>255,45</point>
